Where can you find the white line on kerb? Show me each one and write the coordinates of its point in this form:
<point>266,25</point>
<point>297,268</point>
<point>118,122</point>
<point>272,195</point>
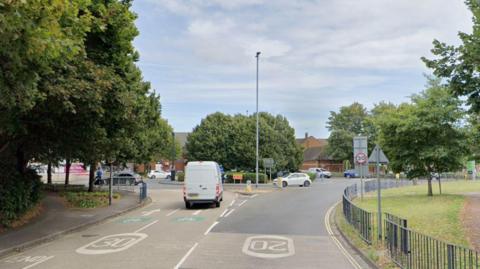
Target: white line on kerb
<point>253,196</point>
<point>228,214</point>
<point>173,212</point>
<point>233,202</point>
<point>146,226</point>
<point>197,212</point>
<point>223,213</point>
<point>186,256</point>
<point>37,263</point>
<point>210,228</point>
<point>335,240</point>
<point>242,203</point>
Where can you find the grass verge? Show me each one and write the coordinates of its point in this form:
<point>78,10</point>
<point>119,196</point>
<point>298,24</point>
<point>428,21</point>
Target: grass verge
<point>438,216</point>
<point>88,199</point>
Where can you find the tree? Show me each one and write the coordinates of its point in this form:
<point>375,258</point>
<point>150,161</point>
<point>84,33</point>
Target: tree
<point>230,141</point>
<point>459,65</point>
<point>425,137</point>
<point>349,122</point>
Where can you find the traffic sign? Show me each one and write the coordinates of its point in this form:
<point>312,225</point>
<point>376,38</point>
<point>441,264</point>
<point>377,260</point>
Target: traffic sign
<point>378,155</point>
<point>361,158</point>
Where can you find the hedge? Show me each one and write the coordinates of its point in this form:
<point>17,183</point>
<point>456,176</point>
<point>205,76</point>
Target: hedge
<point>18,193</point>
<point>246,176</point>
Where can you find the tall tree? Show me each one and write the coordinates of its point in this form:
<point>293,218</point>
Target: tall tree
<point>459,65</point>
<point>425,137</point>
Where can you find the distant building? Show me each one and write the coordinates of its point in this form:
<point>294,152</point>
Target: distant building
<point>315,155</point>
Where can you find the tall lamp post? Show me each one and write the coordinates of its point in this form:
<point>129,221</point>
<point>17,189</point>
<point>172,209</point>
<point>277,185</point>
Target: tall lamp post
<point>257,133</point>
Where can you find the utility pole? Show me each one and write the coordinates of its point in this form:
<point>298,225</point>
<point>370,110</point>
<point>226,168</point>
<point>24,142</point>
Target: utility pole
<point>257,130</point>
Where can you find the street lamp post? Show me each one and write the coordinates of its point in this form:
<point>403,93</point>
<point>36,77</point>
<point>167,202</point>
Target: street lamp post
<point>257,134</point>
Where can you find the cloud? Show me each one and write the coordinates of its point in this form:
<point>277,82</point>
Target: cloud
<point>316,54</point>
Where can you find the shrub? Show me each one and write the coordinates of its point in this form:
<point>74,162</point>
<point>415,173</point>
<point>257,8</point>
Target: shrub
<point>180,176</point>
<point>18,193</point>
<point>312,176</point>
<point>88,199</point>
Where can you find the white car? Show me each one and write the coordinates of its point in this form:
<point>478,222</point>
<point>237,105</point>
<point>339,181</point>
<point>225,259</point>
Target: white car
<point>158,174</point>
<point>299,179</point>
<point>321,172</point>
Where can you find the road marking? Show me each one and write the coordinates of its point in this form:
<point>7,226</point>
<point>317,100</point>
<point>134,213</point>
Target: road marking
<point>268,246</point>
<point>37,263</point>
<point>111,243</point>
<point>148,213</point>
<point>228,214</point>
<point>146,226</point>
<point>173,212</point>
<point>242,203</point>
<point>211,227</point>
<point>197,212</point>
<point>223,213</point>
<point>134,220</point>
<point>186,256</point>
<point>253,196</point>
<point>233,202</point>
<point>349,257</point>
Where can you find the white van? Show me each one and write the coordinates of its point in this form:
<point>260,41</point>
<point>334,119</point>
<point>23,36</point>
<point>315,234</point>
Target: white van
<point>203,184</point>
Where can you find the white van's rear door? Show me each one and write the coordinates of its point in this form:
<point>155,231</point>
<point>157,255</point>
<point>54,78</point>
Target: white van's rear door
<point>201,183</point>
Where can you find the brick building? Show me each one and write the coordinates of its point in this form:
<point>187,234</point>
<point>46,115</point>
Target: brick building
<point>314,154</point>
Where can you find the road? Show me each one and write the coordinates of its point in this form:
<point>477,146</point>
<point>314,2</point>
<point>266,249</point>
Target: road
<point>277,229</point>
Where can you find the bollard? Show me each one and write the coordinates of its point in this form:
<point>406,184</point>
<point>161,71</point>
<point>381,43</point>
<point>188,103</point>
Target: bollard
<point>248,188</point>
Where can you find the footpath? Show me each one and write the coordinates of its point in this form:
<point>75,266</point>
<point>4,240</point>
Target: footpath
<point>471,218</point>
<point>57,220</point>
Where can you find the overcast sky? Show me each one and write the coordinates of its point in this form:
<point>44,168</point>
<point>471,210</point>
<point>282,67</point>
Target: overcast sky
<point>316,55</point>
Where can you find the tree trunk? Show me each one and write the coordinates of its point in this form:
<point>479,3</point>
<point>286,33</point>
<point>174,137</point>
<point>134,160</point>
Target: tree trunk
<point>21,162</point>
<point>440,185</point>
<point>91,176</point>
<point>49,172</point>
<point>430,192</point>
<point>67,171</point>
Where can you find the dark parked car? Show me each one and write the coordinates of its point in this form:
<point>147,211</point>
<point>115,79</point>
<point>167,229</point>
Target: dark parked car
<point>350,173</point>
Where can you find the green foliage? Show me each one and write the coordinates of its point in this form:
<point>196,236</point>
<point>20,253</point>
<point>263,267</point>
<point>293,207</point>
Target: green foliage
<point>180,176</point>
<point>425,137</point>
<point>230,141</point>
<point>312,176</point>
<point>459,65</point>
<point>18,193</point>
<point>88,199</point>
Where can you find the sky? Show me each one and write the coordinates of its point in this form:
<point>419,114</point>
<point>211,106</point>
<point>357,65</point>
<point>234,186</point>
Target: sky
<point>316,55</point>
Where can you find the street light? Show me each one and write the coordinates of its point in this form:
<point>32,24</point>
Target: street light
<point>256,159</point>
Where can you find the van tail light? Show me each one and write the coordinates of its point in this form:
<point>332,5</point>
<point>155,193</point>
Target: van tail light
<point>217,189</point>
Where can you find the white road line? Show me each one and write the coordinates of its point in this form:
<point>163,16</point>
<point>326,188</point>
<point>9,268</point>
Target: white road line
<point>253,196</point>
<point>146,226</point>
<point>223,213</point>
<point>37,263</point>
<point>197,212</point>
<point>186,256</point>
<point>173,212</point>
<point>335,240</point>
<point>148,213</point>
<point>233,202</point>
<point>228,214</point>
<point>211,227</point>
<point>242,203</point>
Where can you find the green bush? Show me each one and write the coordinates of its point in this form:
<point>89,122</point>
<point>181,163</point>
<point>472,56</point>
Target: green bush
<point>312,176</point>
<point>180,176</point>
<point>246,176</point>
<point>18,193</point>
<point>88,199</point>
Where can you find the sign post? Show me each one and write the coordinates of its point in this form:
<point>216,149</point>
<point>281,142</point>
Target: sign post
<point>360,151</point>
<point>268,163</point>
<point>378,157</point>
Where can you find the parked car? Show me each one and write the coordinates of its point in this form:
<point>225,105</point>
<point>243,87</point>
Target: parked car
<point>321,172</point>
<point>202,184</point>
<point>300,179</point>
<point>126,178</point>
<point>350,173</point>
<point>158,174</point>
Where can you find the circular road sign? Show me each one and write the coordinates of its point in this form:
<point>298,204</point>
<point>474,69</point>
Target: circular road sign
<point>361,158</point>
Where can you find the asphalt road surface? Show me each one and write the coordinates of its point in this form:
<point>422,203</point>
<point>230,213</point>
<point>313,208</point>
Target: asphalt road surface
<point>277,229</point>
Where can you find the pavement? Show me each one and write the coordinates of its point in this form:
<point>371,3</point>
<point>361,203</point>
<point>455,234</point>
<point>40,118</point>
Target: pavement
<point>57,219</point>
<point>287,228</point>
